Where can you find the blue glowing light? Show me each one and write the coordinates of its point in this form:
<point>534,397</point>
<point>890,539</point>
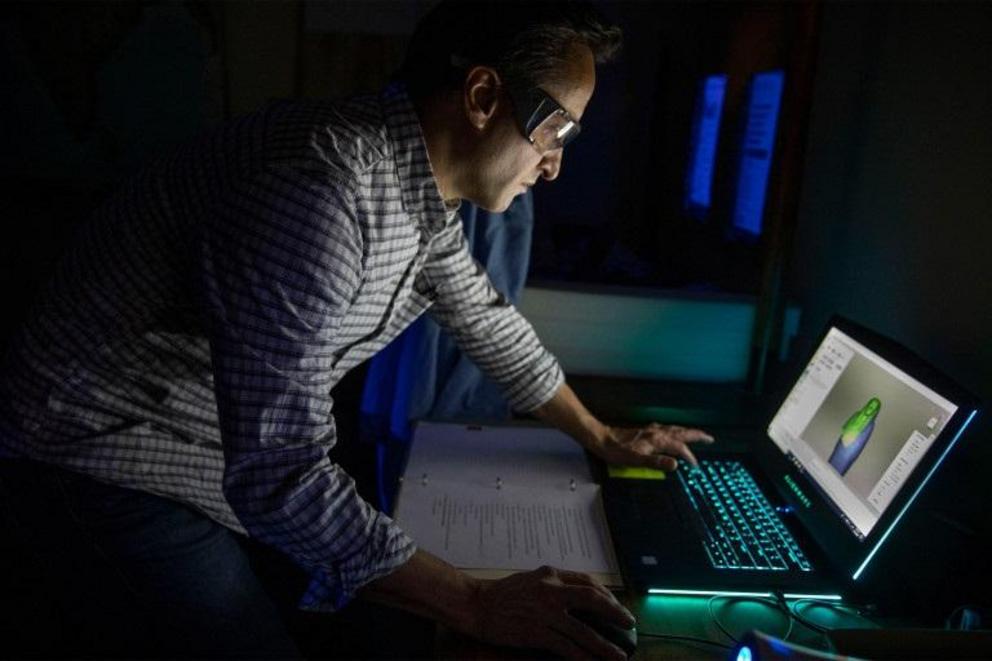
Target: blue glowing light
<point>735,593</point>
<point>744,654</point>
<point>909,502</point>
<point>756,150</point>
<point>708,593</point>
<point>821,597</point>
<point>779,647</point>
<point>705,132</point>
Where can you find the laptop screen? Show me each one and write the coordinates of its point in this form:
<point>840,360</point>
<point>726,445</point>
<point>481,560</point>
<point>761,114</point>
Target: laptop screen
<point>858,426</point>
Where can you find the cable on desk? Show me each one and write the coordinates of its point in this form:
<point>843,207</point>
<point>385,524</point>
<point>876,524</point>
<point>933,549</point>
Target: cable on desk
<point>716,621</point>
<point>777,606</point>
<point>796,611</point>
<point>792,614</point>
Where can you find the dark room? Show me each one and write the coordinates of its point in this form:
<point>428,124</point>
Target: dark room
<point>495,329</point>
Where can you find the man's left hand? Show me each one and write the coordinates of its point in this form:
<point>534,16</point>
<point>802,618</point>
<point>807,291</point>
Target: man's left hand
<point>654,446</point>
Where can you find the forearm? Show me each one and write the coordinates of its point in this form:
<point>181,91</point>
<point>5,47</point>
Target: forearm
<point>431,587</point>
<point>568,414</point>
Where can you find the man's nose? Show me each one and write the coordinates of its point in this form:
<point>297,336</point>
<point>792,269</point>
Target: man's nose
<point>551,165</point>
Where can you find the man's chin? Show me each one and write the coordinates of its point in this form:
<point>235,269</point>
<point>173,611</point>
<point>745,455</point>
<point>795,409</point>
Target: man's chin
<point>496,205</point>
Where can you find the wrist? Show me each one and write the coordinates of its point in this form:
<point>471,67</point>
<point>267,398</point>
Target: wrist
<point>431,587</point>
<point>567,413</point>
<point>598,435</point>
<point>468,618</point>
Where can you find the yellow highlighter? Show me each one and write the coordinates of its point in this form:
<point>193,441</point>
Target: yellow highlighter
<point>635,472</point>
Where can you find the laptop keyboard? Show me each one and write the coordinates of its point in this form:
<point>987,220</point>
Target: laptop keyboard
<point>739,527</point>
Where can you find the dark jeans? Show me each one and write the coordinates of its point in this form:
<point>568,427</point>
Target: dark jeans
<point>102,571</point>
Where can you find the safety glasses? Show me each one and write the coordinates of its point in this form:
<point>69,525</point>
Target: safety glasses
<point>541,119</point>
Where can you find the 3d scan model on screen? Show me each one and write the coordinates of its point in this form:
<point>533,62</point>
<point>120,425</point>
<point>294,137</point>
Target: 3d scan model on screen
<point>854,436</point>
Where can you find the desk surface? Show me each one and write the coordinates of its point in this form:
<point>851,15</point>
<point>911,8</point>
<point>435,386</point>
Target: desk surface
<point>689,617</point>
<point>663,620</point>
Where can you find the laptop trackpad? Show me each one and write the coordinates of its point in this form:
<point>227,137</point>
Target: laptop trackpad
<point>655,514</point>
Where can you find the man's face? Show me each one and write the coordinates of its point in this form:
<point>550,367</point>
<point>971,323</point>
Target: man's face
<point>509,164</point>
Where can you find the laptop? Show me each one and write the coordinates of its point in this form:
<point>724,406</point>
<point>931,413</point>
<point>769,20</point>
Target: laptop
<point>803,513</point>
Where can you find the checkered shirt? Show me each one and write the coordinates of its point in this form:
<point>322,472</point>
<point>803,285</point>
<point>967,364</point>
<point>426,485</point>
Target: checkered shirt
<point>189,340</point>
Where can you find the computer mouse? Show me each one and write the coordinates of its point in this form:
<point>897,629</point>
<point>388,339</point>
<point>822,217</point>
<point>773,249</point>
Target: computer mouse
<point>625,639</point>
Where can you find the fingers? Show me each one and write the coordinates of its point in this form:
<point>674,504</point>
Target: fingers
<point>689,435</point>
<point>565,579</point>
<point>660,434</point>
<point>562,644</point>
<point>531,609</point>
<point>687,454</point>
<point>582,579</point>
<point>673,440</point>
<point>566,593</point>
<point>590,600</point>
<point>666,453</point>
<point>664,463</point>
<point>654,445</point>
<point>583,642</point>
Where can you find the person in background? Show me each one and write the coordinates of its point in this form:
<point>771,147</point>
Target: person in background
<point>167,402</point>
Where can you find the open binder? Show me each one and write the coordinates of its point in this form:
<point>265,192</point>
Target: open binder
<point>496,500</point>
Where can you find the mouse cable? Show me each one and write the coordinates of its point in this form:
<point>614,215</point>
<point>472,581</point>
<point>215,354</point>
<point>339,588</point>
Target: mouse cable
<point>688,639</point>
<point>796,610</point>
<point>774,604</point>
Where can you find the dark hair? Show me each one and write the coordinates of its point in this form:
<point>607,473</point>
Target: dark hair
<point>528,42</point>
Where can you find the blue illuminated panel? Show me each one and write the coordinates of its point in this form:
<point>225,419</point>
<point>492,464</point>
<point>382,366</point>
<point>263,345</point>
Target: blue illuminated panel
<point>757,147</point>
<point>740,593</point>
<point>860,570</point>
<point>702,149</point>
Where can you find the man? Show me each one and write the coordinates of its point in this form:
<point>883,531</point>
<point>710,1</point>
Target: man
<point>175,379</point>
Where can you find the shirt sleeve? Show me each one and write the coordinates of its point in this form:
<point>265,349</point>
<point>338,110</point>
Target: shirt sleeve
<point>487,327</point>
<point>283,261</point>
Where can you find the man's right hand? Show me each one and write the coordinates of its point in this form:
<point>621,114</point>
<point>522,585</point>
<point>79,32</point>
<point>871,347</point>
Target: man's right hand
<point>531,609</point>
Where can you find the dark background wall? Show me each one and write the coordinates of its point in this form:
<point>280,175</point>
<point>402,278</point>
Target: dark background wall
<point>894,230</point>
<point>896,197</point>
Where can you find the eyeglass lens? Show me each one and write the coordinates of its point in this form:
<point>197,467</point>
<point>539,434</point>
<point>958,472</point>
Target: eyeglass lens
<point>556,131</point>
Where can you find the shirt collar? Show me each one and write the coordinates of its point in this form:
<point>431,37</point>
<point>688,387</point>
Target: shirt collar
<point>421,197</point>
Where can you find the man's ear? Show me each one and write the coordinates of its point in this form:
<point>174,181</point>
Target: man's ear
<point>481,96</point>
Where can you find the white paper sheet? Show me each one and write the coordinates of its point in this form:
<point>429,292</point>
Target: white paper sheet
<point>505,499</point>
<point>525,456</point>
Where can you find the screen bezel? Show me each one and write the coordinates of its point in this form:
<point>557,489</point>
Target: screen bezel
<point>818,514</point>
